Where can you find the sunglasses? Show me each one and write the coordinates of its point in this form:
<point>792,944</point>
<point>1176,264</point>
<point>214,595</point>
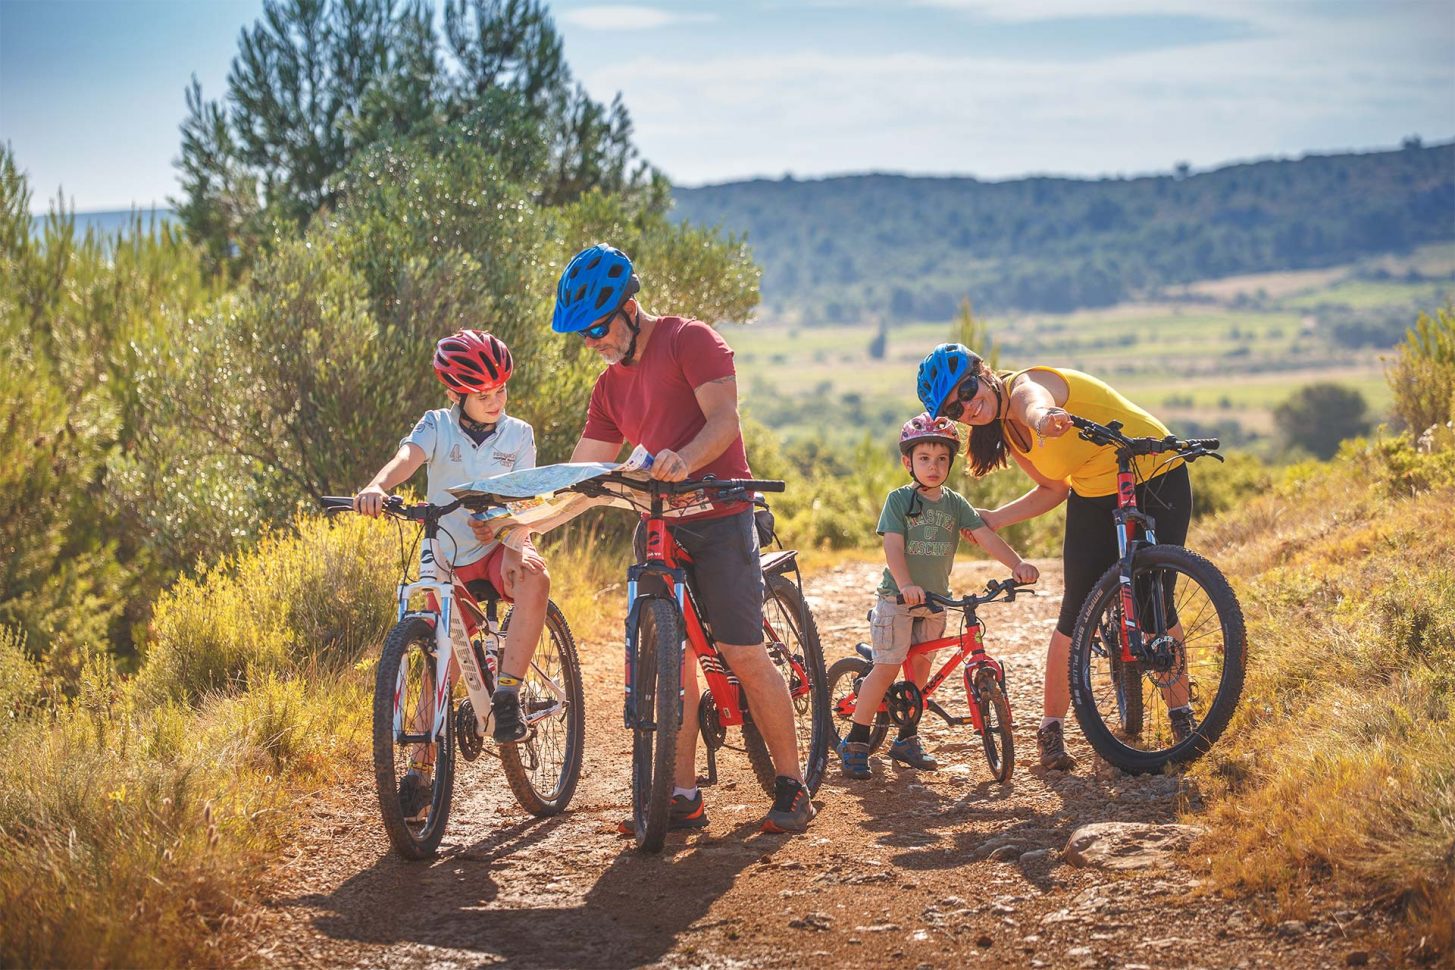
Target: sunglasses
<point>967,390</point>
<point>599,330</point>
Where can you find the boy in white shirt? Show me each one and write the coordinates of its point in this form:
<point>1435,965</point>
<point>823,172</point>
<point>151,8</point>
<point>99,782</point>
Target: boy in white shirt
<point>471,440</point>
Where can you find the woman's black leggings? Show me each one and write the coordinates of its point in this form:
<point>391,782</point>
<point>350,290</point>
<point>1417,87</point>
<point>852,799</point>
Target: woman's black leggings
<point>1091,542</point>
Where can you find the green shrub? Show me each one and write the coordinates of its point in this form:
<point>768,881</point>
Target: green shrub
<point>1423,376</point>
<point>314,600</point>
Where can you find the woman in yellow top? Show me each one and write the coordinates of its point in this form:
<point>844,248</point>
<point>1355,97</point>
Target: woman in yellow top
<point>1025,415</point>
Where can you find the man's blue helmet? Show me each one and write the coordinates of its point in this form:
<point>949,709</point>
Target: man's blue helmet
<point>597,281</point>
<point>941,370</point>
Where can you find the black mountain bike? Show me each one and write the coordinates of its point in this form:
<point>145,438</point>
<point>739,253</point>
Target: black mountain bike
<point>1157,657</point>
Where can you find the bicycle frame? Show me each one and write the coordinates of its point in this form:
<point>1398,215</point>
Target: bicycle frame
<point>663,560</point>
<point>454,629</point>
<point>975,660</point>
<point>1128,518</point>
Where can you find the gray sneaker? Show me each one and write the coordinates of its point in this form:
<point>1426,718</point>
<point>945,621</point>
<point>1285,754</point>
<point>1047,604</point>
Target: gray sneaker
<point>1184,722</point>
<point>1052,745</point>
<point>908,751</point>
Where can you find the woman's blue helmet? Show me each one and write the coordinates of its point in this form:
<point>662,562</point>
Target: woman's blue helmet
<point>941,370</point>
<point>597,281</point>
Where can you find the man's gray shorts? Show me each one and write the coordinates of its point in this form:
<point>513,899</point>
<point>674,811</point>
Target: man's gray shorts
<point>727,574</point>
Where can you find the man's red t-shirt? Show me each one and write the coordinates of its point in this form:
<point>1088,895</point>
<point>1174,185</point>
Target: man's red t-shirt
<point>652,403</point>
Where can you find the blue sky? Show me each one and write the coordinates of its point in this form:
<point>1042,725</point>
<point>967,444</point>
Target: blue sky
<point>91,91</point>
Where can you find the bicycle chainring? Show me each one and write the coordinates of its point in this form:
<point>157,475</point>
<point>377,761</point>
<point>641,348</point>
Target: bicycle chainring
<point>905,704</point>
<point>713,733</point>
<point>468,739</point>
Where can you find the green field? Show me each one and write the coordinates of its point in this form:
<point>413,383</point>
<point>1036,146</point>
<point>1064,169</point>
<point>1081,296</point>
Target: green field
<point>1220,353</point>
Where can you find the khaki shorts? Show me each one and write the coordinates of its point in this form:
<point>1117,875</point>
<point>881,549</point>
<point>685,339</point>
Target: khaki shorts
<point>895,628</point>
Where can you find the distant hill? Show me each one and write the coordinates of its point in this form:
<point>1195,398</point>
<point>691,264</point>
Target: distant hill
<point>909,248</point>
<point>109,223</point>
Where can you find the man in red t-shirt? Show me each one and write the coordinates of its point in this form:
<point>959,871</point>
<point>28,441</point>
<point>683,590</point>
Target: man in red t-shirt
<point>670,386</point>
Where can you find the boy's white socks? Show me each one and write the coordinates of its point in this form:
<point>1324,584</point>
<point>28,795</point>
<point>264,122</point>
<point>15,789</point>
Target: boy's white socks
<point>1045,721</point>
<point>688,793</point>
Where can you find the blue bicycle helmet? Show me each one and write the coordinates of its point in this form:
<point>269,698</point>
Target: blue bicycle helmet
<point>597,281</point>
<point>940,371</point>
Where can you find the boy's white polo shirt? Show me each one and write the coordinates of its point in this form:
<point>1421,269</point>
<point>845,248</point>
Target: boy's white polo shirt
<point>453,458</point>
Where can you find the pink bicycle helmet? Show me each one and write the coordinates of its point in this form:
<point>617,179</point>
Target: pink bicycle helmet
<point>472,361</point>
<point>922,427</point>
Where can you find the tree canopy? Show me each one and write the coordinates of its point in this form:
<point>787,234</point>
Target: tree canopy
<point>315,82</point>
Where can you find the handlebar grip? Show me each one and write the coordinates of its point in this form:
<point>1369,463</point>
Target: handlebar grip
<point>1211,443</point>
<point>333,504</point>
<point>929,602</point>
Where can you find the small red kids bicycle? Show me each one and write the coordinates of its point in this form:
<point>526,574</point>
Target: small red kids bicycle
<point>984,679</point>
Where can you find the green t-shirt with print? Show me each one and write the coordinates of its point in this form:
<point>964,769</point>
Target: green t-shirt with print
<point>931,536</point>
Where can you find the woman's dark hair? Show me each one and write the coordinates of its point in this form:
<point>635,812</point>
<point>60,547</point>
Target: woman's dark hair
<point>987,449</point>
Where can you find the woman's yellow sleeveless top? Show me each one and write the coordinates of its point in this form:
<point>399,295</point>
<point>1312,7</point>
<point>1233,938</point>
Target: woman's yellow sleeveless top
<point>1091,469</point>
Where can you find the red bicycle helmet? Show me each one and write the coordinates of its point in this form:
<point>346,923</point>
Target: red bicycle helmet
<point>922,427</point>
<point>472,361</point>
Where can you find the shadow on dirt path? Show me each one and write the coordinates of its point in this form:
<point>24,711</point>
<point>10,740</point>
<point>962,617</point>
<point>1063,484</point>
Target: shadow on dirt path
<point>943,868</point>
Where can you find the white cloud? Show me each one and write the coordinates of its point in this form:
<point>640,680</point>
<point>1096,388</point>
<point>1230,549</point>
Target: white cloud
<point>1346,83</point>
<point>629,17</point>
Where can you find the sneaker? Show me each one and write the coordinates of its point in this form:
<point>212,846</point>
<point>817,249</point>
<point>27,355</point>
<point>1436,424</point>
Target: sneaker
<point>791,811</point>
<point>682,813</point>
<point>414,796</point>
<point>509,725</point>
<point>1183,723</point>
<point>1052,744</point>
<point>908,751</point>
<point>854,759</point>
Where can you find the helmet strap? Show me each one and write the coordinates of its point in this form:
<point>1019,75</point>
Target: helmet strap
<point>635,326</point>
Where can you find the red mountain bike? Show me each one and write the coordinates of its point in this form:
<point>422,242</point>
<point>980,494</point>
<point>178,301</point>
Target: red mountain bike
<point>1161,631</point>
<point>664,618</point>
<point>904,703</point>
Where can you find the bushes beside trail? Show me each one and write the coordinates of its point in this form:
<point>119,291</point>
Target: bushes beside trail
<point>1340,765</point>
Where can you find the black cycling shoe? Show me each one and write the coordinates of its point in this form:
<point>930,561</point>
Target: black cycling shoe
<point>414,796</point>
<point>682,813</point>
<point>509,725</point>
<point>791,811</point>
<point>1184,722</point>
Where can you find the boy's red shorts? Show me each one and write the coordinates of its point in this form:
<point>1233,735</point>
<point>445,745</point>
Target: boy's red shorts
<point>487,567</point>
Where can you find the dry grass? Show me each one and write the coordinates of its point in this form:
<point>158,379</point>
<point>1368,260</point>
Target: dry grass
<point>138,818</point>
<point>1340,766</point>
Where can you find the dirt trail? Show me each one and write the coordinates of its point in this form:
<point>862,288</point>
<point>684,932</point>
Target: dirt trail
<point>895,871</point>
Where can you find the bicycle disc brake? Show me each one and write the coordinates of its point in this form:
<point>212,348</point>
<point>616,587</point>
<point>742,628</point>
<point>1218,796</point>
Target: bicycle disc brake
<point>1166,662</point>
<point>468,738</point>
<point>905,704</point>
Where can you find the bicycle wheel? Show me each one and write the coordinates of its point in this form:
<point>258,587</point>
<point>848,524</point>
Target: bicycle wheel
<point>997,739</point>
<point>844,678</point>
<point>791,639</point>
<point>657,695</point>
<point>404,695</point>
<point>1193,630</point>
<point>543,769</point>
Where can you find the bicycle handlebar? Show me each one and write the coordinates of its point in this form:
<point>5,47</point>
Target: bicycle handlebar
<point>696,485</point>
<point>970,601</point>
<point>393,505</point>
<point>1111,434</point>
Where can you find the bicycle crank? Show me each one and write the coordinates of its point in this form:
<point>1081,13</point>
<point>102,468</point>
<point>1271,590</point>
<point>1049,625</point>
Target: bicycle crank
<point>905,704</point>
<point>468,738</point>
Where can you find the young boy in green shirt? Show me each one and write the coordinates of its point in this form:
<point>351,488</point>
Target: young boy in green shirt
<point>921,524</point>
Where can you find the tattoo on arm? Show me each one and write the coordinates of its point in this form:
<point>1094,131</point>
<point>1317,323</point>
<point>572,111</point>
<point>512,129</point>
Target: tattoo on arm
<point>730,379</point>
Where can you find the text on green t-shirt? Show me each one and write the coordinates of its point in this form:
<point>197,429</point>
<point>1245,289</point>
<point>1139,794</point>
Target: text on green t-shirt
<point>931,536</point>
